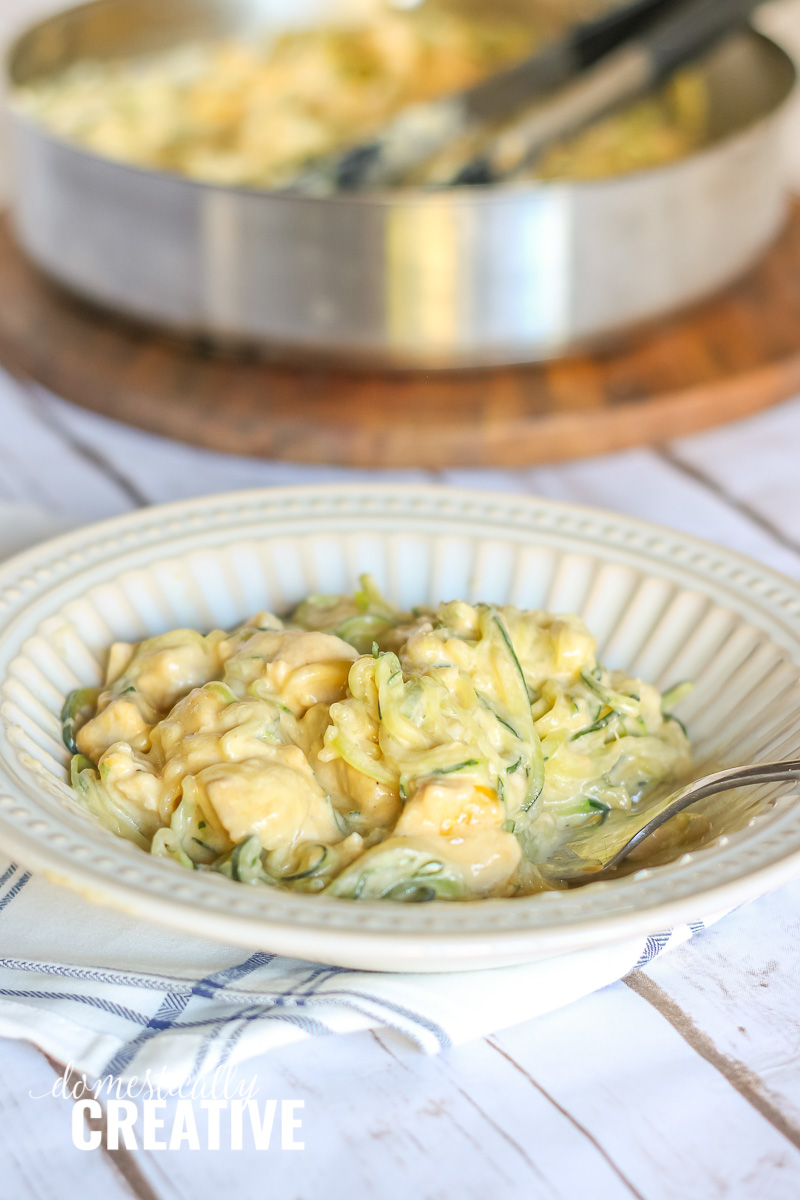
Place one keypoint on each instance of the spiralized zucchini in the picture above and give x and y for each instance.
(369, 753)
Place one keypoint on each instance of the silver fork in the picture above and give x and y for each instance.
(577, 868)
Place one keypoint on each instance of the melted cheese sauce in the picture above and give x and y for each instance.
(370, 753)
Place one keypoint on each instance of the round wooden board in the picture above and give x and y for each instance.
(724, 359)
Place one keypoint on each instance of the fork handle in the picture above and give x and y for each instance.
(710, 785)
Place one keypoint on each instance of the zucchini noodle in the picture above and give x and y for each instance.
(368, 753)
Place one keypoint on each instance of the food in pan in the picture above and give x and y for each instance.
(256, 114)
(657, 130)
(368, 753)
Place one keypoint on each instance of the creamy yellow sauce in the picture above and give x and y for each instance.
(367, 752)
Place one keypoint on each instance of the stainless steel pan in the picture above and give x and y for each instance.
(406, 278)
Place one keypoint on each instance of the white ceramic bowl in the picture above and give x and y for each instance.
(662, 604)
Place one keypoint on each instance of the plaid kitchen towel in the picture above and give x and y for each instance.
(118, 996)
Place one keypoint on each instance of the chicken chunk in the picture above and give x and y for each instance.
(277, 799)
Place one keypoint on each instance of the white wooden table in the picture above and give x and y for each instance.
(682, 1082)
(679, 1083)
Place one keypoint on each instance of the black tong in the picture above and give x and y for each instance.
(595, 67)
(674, 39)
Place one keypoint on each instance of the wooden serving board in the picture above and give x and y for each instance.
(724, 359)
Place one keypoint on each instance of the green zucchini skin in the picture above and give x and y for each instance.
(80, 703)
(312, 870)
(534, 767)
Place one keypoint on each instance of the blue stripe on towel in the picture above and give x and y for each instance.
(220, 979)
(260, 1009)
(390, 1022)
(153, 983)
(316, 979)
(170, 1009)
(14, 891)
(308, 1025)
(218, 1025)
(109, 1006)
(215, 1033)
(174, 1004)
(4, 878)
(654, 945)
(397, 1010)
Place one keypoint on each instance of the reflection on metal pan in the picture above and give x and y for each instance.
(461, 277)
